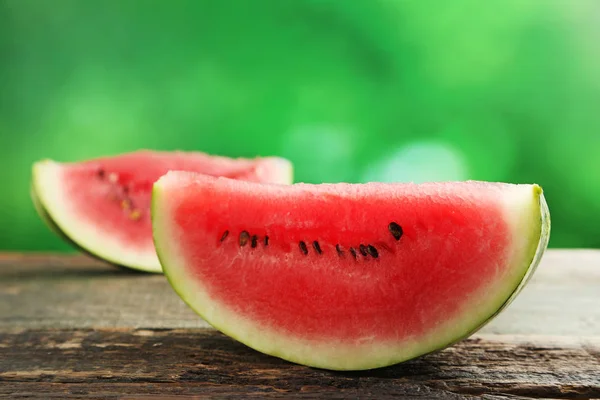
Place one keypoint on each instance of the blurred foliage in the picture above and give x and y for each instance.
(349, 90)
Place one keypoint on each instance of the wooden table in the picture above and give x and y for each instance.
(72, 327)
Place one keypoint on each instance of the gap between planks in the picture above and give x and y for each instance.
(117, 362)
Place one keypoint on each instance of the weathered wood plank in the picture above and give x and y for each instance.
(115, 360)
(50, 291)
(111, 363)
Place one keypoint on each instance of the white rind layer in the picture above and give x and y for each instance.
(525, 211)
(48, 188)
(48, 196)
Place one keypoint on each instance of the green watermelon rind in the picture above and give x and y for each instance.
(39, 208)
(537, 244)
(71, 232)
(536, 250)
(70, 235)
(47, 219)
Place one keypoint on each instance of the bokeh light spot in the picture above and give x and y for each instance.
(419, 161)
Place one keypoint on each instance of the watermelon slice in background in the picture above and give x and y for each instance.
(102, 206)
(347, 276)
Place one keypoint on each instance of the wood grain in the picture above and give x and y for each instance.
(55, 291)
(111, 363)
(74, 327)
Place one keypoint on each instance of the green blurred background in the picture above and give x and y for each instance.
(349, 90)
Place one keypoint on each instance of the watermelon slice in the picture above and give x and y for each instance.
(102, 206)
(347, 276)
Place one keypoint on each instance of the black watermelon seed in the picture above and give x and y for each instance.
(254, 241)
(303, 248)
(372, 251)
(395, 230)
(266, 240)
(317, 247)
(101, 173)
(339, 250)
(224, 235)
(363, 250)
(244, 236)
(353, 252)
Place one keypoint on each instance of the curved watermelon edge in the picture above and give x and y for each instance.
(40, 204)
(39, 208)
(538, 243)
(283, 175)
(536, 250)
(47, 219)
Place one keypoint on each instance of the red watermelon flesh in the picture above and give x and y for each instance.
(347, 276)
(103, 205)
